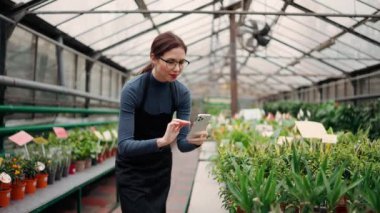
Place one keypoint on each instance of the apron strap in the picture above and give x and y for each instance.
(174, 94)
(173, 91)
(145, 90)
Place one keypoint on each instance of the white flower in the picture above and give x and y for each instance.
(40, 166)
(300, 114)
(308, 113)
(5, 178)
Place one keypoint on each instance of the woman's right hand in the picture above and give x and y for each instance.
(172, 131)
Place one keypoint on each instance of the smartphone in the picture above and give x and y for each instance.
(200, 123)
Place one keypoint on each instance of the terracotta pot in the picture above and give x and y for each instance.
(18, 190)
(5, 185)
(80, 165)
(239, 210)
(100, 158)
(31, 185)
(5, 197)
(72, 169)
(87, 163)
(114, 151)
(107, 153)
(42, 180)
(342, 206)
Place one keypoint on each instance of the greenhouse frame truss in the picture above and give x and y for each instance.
(262, 50)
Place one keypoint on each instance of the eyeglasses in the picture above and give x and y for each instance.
(171, 64)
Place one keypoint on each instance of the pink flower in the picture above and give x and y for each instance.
(5, 178)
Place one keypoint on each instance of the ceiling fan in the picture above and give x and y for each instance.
(253, 34)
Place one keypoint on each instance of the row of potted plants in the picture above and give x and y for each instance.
(259, 175)
(341, 117)
(48, 160)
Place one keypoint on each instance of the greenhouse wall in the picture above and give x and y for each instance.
(361, 88)
(32, 57)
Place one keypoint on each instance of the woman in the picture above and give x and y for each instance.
(147, 127)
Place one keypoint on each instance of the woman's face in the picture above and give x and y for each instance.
(169, 66)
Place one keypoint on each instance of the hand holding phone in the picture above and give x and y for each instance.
(200, 124)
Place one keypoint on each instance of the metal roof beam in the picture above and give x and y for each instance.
(219, 12)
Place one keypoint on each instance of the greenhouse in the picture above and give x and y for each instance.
(274, 106)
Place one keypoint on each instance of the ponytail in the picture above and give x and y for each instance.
(147, 68)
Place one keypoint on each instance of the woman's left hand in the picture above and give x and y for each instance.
(198, 138)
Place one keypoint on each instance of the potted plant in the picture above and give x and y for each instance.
(5, 180)
(51, 167)
(30, 170)
(17, 175)
(42, 175)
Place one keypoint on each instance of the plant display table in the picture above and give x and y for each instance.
(43, 198)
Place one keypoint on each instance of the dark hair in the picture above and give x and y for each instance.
(161, 44)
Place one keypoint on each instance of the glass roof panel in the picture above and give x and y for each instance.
(295, 80)
(262, 65)
(369, 32)
(174, 5)
(313, 66)
(60, 5)
(123, 35)
(201, 48)
(86, 22)
(111, 29)
(289, 41)
(338, 57)
(280, 49)
(340, 64)
(348, 51)
(373, 3)
(302, 29)
(373, 24)
(131, 46)
(315, 23)
(362, 45)
(370, 62)
(337, 6)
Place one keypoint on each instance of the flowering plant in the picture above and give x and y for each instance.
(32, 167)
(5, 178)
(14, 166)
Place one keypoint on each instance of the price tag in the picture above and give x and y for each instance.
(114, 133)
(60, 132)
(98, 135)
(40, 140)
(20, 138)
(107, 135)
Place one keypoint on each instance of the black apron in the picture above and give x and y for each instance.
(144, 180)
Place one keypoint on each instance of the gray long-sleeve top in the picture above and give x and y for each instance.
(158, 100)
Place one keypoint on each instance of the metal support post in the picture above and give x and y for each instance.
(233, 74)
(3, 51)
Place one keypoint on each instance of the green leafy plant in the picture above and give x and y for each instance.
(336, 187)
(370, 190)
(30, 168)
